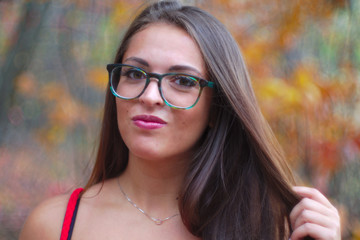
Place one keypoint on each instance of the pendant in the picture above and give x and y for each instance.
(158, 221)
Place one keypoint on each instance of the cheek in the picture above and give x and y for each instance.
(122, 108)
(193, 126)
(121, 113)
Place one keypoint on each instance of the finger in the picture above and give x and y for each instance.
(314, 231)
(308, 216)
(312, 205)
(314, 194)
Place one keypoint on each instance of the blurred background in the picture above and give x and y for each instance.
(303, 57)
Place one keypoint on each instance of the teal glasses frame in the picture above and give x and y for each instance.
(202, 83)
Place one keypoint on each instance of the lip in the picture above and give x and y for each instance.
(148, 122)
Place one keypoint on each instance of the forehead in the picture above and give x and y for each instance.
(163, 44)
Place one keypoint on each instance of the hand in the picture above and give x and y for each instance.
(314, 216)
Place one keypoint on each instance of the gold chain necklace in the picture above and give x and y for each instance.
(157, 221)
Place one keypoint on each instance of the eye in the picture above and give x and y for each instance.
(133, 73)
(184, 81)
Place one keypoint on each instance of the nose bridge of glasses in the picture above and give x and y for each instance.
(156, 76)
(153, 76)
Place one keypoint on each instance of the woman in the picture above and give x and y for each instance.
(184, 150)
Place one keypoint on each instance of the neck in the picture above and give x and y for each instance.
(154, 185)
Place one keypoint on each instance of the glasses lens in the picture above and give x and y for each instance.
(180, 90)
(128, 82)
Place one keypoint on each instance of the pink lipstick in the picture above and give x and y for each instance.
(148, 122)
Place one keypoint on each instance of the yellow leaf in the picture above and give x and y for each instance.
(277, 96)
(98, 78)
(304, 80)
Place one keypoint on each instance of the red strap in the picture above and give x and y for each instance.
(69, 213)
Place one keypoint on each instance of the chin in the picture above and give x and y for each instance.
(149, 153)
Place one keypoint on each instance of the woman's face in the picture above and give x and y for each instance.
(151, 129)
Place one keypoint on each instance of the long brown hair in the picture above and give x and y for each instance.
(238, 185)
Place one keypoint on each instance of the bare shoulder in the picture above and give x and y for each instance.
(100, 194)
(45, 221)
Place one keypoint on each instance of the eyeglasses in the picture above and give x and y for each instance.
(178, 90)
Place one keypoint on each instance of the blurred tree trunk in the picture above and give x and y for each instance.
(19, 56)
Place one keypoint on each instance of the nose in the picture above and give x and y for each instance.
(151, 96)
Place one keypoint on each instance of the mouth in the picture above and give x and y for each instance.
(148, 122)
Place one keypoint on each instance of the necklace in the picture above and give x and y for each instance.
(157, 221)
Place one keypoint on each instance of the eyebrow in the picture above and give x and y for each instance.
(184, 68)
(138, 60)
(172, 68)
